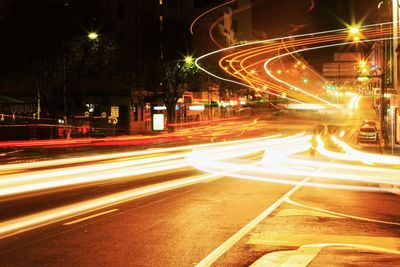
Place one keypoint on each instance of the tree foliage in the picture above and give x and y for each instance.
(50, 51)
(176, 77)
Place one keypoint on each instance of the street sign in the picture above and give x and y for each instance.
(115, 111)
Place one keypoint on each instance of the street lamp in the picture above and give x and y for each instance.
(354, 33)
(354, 30)
(93, 35)
(188, 59)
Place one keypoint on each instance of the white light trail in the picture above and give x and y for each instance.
(18, 225)
(280, 167)
(128, 168)
(366, 157)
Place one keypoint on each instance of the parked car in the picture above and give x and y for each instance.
(369, 123)
(368, 133)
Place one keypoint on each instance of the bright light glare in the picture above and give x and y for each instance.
(354, 102)
(354, 30)
(278, 166)
(367, 157)
(188, 60)
(93, 35)
(305, 106)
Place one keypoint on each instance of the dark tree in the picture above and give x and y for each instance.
(176, 78)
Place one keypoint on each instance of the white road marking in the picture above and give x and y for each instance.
(304, 255)
(304, 212)
(288, 200)
(359, 246)
(294, 239)
(292, 258)
(219, 251)
(90, 217)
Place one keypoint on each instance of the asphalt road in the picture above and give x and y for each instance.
(220, 221)
(182, 227)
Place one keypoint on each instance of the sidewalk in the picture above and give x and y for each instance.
(174, 133)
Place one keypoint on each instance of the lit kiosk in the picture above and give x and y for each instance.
(158, 118)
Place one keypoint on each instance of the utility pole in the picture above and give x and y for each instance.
(383, 110)
(395, 7)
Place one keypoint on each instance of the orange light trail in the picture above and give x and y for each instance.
(207, 12)
(239, 68)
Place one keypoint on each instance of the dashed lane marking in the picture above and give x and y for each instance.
(90, 217)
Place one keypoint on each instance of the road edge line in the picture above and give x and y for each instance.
(230, 242)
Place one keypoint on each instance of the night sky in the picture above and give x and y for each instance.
(277, 17)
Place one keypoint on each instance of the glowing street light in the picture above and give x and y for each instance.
(188, 60)
(356, 39)
(355, 33)
(354, 30)
(93, 35)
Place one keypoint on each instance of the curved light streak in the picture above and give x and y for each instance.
(306, 50)
(207, 12)
(343, 31)
(367, 157)
(280, 167)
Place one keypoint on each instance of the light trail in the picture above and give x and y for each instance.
(25, 223)
(278, 166)
(366, 157)
(279, 149)
(152, 163)
(353, 103)
(246, 74)
(207, 12)
(280, 162)
(234, 12)
(269, 60)
(111, 156)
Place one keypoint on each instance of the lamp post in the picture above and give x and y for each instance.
(92, 36)
(395, 11)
